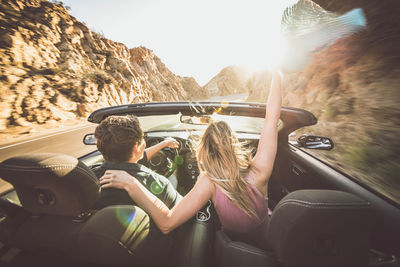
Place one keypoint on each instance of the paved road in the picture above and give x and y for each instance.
(66, 142)
(229, 98)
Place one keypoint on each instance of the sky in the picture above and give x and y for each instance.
(192, 38)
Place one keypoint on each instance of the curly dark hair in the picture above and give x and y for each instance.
(116, 135)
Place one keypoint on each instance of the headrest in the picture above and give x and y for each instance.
(321, 228)
(51, 183)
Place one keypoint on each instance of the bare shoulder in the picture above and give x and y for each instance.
(205, 181)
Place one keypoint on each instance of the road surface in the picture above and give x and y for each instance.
(229, 98)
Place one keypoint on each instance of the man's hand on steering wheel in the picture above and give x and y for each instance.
(171, 143)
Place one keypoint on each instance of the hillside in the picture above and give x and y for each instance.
(53, 68)
(230, 80)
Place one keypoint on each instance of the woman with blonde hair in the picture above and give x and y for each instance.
(235, 182)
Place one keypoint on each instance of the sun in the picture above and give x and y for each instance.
(265, 43)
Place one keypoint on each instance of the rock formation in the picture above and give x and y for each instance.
(52, 67)
(230, 80)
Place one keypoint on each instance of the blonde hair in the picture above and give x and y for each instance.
(226, 161)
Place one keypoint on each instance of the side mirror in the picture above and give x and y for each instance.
(89, 139)
(315, 142)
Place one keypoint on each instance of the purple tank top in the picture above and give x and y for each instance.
(234, 219)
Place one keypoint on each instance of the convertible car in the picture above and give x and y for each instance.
(319, 216)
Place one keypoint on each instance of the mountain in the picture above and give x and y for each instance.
(53, 68)
(230, 80)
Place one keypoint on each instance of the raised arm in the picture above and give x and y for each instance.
(165, 219)
(168, 142)
(264, 159)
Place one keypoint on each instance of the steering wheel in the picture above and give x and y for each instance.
(166, 161)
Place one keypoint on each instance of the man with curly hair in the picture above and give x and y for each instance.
(121, 142)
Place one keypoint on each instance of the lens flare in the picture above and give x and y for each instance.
(307, 28)
(136, 224)
(286, 34)
(156, 188)
(125, 216)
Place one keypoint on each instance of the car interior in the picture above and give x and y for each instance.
(319, 216)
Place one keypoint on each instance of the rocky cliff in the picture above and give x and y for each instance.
(52, 68)
(230, 80)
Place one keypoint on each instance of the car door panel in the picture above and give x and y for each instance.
(295, 169)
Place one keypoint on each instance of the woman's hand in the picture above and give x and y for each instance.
(117, 179)
(171, 142)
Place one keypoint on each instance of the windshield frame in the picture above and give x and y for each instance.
(292, 118)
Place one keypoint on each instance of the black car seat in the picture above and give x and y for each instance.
(56, 193)
(308, 228)
(194, 239)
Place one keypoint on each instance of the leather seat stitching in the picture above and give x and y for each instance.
(238, 246)
(325, 206)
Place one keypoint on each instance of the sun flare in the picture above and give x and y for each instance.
(265, 43)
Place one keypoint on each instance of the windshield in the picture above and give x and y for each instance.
(173, 123)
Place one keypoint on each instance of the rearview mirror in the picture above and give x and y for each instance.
(315, 142)
(198, 120)
(89, 139)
